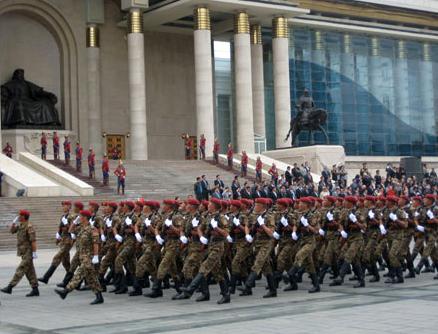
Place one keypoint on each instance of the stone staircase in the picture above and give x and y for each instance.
(152, 179)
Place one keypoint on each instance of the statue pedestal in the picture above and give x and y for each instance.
(28, 140)
(317, 156)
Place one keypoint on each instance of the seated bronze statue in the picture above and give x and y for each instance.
(24, 104)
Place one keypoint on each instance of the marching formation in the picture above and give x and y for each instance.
(191, 244)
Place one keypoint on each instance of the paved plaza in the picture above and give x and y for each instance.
(406, 308)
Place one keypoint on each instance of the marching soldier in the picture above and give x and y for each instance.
(27, 249)
(409, 233)
(88, 249)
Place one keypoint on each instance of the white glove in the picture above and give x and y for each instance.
(249, 238)
(371, 214)
(15, 220)
(276, 235)
(236, 221)
(304, 221)
(406, 214)
(103, 237)
(159, 239)
(108, 222)
(416, 214)
(226, 217)
(147, 222)
(229, 239)
(321, 232)
(34, 255)
(168, 222)
(58, 236)
(195, 222)
(261, 220)
(203, 240)
(420, 228)
(382, 229)
(118, 238)
(213, 223)
(329, 216)
(430, 214)
(95, 259)
(76, 221)
(128, 221)
(138, 237)
(294, 236)
(284, 221)
(352, 217)
(183, 239)
(73, 236)
(393, 216)
(344, 234)
(64, 221)
(91, 222)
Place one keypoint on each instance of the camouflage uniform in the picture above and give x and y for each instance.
(109, 250)
(65, 243)
(195, 251)
(287, 247)
(126, 252)
(369, 258)
(430, 249)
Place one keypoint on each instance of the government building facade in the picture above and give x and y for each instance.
(137, 74)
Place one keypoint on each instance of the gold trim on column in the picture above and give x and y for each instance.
(256, 34)
(375, 46)
(241, 23)
(319, 40)
(280, 27)
(202, 18)
(347, 43)
(135, 21)
(426, 52)
(92, 37)
(401, 49)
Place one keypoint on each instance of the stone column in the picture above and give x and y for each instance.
(401, 84)
(258, 84)
(427, 92)
(280, 53)
(374, 70)
(243, 82)
(94, 97)
(137, 86)
(204, 78)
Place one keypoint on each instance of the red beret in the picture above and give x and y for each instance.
(340, 199)
(225, 203)
(122, 203)
(247, 202)
(417, 198)
(381, 198)
(140, 202)
(319, 200)
(392, 199)
(430, 196)
(112, 205)
(351, 199)
(216, 201)
(85, 213)
(204, 203)
(235, 203)
(307, 200)
(404, 197)
(331, 199)
(130, 204)
(66, 203)
(152, 204)
(192, 201)
(94, 204)
(370, 198)
(312, 199)
(265, 201)
(171, 202)
(24, 213)
(78, 205)
(284, 201)
(361, 199)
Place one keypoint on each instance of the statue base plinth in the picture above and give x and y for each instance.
(28, 140)
(318, 156)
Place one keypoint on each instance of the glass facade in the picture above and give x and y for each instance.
(381, 94)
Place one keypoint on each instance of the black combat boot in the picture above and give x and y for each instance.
(205, 291)
(137, 285)
(156, 290)
(177, 288)
(182, 294)
(233, 282)
(48, 274)
(225, 299)
(420, 265)
(427, 267)
(191, 288)
(324, 269)
(67, 278)
(145, 281)
(360, 276)
(342, 272)
(375, 273)
(102, 283)
(62, 293)
(249, 284)
(315, 283)
(123, 286)
(398, 276)
(391, 275)
(292, 273)
(34, 292)
(299, 275)
(7, 289)
(98, 300)
(272, 287)
(116, 282)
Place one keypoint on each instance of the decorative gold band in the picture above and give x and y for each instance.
(426, 52)
(241, 23)
(256, 34)
(92, 38)
(347, 43)
(280, 27)
(401, 50)
(319, 40)
(135, 21)
(202, 18)
(375, 46)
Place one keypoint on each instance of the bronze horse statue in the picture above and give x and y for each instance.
(308, 120)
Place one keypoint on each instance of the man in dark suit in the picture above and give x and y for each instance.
(219, 183)
(288, 175)
(205, 188)
(246, 191)
(197, 189)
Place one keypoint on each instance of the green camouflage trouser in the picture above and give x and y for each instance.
(63, 254)
(287, 250)
(85, 271)
(74, 262)
(353, 249)
(193, 260)
(430, 249)
(395, 243)
(126, 255)
(147, 263)
(369, 254)
(108, 257)
(304, 257)
(262, 252)
(25, 268)
(331, 252)
(168, 260)
(213, 263)
(239, 264)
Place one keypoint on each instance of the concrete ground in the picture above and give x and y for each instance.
(404, 308)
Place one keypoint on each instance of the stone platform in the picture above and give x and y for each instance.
(405, 308)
